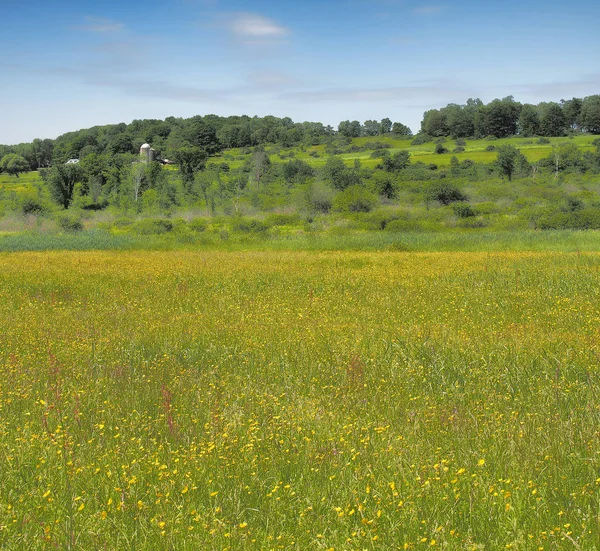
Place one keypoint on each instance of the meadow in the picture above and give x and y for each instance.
(478, 151)
(299, 400)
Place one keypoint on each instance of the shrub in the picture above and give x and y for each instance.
(490, 148)
(248, 225)
(29, 205)
(463, 210)
(445, 193)
(122, 223)
(460, 142)
(314, 154)
(458, 149)
(355, 199)
(198, 225)
(69, 222)
(543, 141)
(421, 139)
(283, 220)
(153, 226)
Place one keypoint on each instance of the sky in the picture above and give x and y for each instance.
(72, 64)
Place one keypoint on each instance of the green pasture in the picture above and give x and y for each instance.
(475, 150)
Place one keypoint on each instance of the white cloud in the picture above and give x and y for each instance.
(250, 27)
(101, 25)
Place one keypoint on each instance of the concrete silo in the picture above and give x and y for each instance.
(147, 153)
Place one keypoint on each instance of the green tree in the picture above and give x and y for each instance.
(397, 161)
(350, 129)
(190, 160)
(529, 121)
(14, 164)
(507, 160)
(552, 119)
(385, 126)
(572, 111)
(434, 123)
(339, 175)
(61, 180)
(590, 114)
(370, 128)
(500, 117)
(400, 129)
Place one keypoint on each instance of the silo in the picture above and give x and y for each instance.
(145, 151)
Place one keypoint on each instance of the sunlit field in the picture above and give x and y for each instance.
(299, 400)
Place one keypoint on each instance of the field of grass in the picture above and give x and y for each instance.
(295, 400)
(475, 150)
(19, 183)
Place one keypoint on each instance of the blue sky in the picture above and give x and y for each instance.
(66, 65)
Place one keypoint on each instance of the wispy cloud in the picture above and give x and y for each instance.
(254, 28)
(587, 84)
(100, 25)
(428, 10)
(434, 89)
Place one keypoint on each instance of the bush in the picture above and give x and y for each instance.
(314, 154)
(283, 220)
(421, 139)
(460, 142)
(152, 226)
(439, 149)
(445, 193)
(490, 148)
(586, 219)
(543, 141)
(69, 222)
(355, 199)
(122, 223)
(248, 225)
(29, 205)
(458, 149)
(463, 210)
(198, 225)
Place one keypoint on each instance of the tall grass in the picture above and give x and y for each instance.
(458, 240)
(299, 400)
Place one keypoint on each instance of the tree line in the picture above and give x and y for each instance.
(506, 117)
(211, 133)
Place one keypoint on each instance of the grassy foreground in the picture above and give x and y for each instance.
(295, 400)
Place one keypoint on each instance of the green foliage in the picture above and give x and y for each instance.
(384, 184)
(69, 222)
(190, 161)
(421, 139)
(61, 180)
(463, 210)
(507, 160)
(153, 226)
(355, 198)
(315, 197)
(590, 114)
(397, 161)
(33, 206)
(578, 219)
(339, 175)
(445, 193)
(13, 164)
(248, 225)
